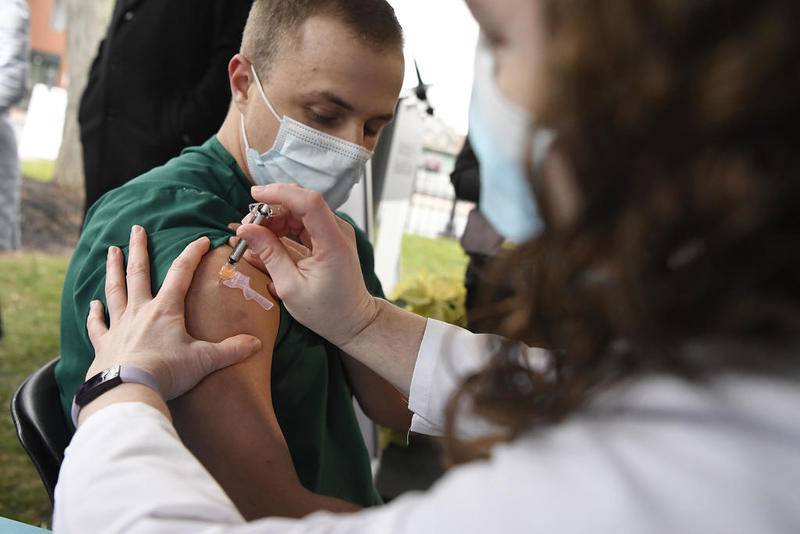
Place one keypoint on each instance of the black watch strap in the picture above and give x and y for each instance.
(107, 380)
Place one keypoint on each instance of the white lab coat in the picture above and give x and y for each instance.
(658, 456)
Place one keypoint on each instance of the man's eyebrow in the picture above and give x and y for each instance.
(344, 104)
(332, 98)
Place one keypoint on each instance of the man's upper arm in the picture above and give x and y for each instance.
(228, 421)
(215, 312)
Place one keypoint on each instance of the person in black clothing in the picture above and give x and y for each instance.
(159, 83)
(465, 177)
(480, 240)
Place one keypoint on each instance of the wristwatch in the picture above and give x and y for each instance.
(107, 380)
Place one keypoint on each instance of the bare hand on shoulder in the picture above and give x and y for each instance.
(150, 333)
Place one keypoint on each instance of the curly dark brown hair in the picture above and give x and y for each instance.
(678, 123)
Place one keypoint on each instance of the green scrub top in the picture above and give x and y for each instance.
(198, 194)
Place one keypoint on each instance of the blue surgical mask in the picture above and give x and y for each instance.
(505, 139)
(307, 157)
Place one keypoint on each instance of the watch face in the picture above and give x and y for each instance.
(97, 385)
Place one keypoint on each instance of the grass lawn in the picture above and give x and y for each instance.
(432, 279)
(30, 295)
(432, 256)
(41, 170)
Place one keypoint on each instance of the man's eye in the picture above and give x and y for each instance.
(325, 120)
(373, 128)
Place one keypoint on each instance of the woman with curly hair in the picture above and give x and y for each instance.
(644, 154)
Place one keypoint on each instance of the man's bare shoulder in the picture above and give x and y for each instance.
(215, 311)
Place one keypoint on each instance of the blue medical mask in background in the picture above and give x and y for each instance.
(504, 138)
(307, 157)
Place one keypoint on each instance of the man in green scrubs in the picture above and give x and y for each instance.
(335, 66)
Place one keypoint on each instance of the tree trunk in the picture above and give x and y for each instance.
(87, 21)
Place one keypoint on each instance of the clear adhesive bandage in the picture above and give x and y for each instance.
(241, 281)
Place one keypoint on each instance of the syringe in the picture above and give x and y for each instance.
(258, 213)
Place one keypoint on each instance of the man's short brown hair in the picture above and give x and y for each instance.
(274, 23)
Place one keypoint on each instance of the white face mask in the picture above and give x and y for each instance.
(307, 157)
(500, 133)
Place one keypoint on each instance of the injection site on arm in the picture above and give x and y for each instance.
(232, 278)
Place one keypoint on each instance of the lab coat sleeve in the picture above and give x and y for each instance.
(126, 471)
(130, 452)
(448, 355)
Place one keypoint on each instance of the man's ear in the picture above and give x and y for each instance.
(240, 79)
